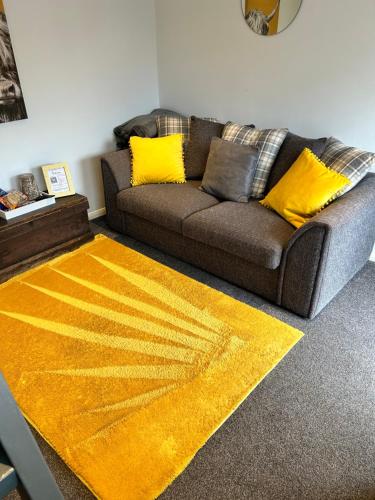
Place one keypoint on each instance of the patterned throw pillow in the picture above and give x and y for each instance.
(351, 162)
(169, 125)
(268, 143)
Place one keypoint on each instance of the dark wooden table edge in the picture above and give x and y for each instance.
(72, 200)
(44, 256)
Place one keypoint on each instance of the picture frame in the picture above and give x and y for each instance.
(12, 103)
(58, 179)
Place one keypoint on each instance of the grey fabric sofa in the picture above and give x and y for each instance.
(245, 243)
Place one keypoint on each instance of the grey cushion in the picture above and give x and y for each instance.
(267, 141)
(290, 150)
(165, 204)
(197, 149)
(230, 170)
(247, 230)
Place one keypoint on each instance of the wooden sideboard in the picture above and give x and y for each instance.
(42, 234)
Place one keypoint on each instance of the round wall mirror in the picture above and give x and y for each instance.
(269, 17)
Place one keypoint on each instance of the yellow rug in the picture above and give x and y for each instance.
(127, 367)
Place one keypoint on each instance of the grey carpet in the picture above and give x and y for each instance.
(308, 430)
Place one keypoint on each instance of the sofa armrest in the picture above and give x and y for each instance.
(324, 254)
(116, 171)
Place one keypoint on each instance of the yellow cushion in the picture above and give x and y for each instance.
(156, 161)
(305, 189)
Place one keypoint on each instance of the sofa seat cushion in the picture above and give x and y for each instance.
(165, 204)
(246, 230)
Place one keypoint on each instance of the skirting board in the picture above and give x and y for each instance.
(94, 214)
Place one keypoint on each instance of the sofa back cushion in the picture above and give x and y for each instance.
(290, 150)
(196, 153)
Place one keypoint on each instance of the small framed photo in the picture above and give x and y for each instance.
(58, 179)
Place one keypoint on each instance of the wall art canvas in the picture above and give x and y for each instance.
(12, 105)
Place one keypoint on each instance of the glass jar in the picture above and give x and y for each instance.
(28, 186)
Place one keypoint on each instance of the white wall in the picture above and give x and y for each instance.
(317, 77)
(85, 66)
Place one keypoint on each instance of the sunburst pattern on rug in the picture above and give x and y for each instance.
(111, 354)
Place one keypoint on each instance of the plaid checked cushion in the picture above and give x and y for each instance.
(268, 143)
(351, 162)
(168, 125)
